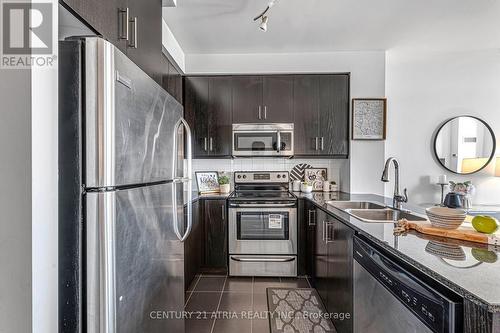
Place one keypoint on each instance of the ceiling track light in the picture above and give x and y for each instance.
(263, 17)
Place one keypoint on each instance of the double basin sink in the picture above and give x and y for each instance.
(374, 212)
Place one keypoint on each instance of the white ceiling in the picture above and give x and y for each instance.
(226, 26)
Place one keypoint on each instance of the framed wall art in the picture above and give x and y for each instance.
(369, 117)
(207, 181)
(316, 177)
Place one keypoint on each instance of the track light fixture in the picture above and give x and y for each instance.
(263, 17)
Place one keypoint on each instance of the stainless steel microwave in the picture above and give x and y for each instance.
(272, 140)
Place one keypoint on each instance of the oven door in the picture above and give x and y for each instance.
(262, 143)
(262, 230)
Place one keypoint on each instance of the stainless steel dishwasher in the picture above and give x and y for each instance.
(390, 298)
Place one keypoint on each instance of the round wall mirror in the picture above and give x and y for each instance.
(464, 145)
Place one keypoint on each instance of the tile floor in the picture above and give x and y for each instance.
(221, 304)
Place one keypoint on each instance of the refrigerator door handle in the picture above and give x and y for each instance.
(184, 179)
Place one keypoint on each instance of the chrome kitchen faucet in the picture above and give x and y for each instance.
(398, 199)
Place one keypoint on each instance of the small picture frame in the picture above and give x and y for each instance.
(207, 181)
(316, 177)
(369, 117)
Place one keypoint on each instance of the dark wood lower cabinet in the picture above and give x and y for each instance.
(193, 247)
(330, 252)
(215, 238)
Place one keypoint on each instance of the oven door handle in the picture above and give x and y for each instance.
(262, 205)
(257, 259)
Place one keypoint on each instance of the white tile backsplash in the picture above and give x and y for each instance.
(266, 164)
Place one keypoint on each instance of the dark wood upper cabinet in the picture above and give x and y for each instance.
(174, 82)
(215, 235)
(306, 114)
(172, 79)
(321, 115)
(208, 111)
(146, 18)
(220, 117)
(196, 113)
(334, 115)
(102, 16)
(277, 101)
(247, 99)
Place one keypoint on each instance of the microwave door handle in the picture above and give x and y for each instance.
(279, 142)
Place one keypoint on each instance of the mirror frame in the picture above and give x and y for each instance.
(478, 119)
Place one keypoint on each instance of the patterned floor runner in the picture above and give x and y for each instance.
(294, 310)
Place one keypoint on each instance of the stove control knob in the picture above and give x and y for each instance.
(244, 176)
(284, 176)
(279, 176)
(239, 176)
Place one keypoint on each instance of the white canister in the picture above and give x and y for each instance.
(326, 186)
(306, 188)
(296, 185)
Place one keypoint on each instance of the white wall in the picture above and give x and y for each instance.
(423, 90)
(15, 201)
(172, 47)
(367, 80)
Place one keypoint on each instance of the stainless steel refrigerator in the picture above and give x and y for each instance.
(121, 178)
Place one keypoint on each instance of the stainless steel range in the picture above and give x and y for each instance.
(262, 225)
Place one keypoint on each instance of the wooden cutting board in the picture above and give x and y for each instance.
(465, 232)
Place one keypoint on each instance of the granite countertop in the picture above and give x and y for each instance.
(196, 196)
(478, 281)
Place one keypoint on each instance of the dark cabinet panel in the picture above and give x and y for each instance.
(193, 247)
(208, 111)
(321, 278)
(306, 114)
(277, 99)
(321, 115)
(145, 17)
(171, 79)
(329, 249)
(174, 82)
(247, 99)
(334, 114)
(103, 16)
(215, 235)
(340, 273)
(220, 118)
(196, 113)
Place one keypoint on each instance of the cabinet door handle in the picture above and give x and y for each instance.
(133, 39)
(328, 227)
(123, 21)
(311, 221)
(211, 144)
(316, 143)
(322, 143)
(205, 144)
(260, 112)
(265, 111)
(323, 229)
(223, 209)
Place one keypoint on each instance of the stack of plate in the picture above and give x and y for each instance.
(446, 218)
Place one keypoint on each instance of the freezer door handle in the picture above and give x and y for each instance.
(184, 179)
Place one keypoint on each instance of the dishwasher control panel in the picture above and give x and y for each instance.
(433, 308)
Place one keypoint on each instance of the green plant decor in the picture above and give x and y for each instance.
(223, 180)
